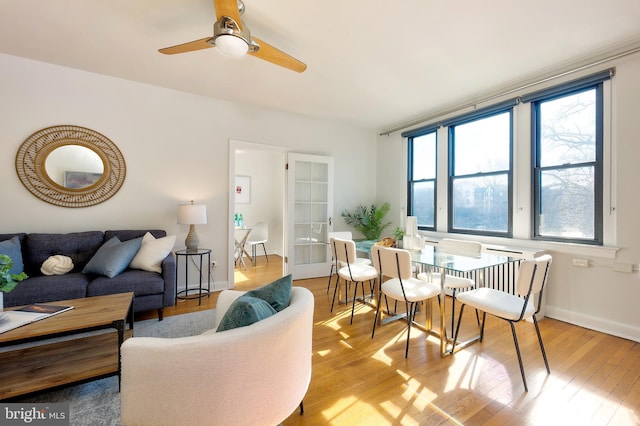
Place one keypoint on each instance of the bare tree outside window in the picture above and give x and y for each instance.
(566, 172)
(480, 175)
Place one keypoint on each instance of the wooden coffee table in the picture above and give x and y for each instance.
(78, 359)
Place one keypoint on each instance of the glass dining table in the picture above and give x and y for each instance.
(489, 270)
(485, 266)
(241, 236)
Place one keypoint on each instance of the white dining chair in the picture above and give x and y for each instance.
(530, 282)
(259, 236)
(343, 235)
(402, 286)
(352, 272)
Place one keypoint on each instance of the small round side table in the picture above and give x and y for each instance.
(201, 254)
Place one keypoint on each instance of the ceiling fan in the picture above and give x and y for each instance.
(232, 37)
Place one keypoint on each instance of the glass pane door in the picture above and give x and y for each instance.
(310, 209)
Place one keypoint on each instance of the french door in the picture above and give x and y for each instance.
(309, 215)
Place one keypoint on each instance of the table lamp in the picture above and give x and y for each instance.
(192, 214)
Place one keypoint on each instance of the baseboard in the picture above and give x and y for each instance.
(219, 285)
(594, 323)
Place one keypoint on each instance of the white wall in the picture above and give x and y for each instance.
(175, 146)
(597, 297)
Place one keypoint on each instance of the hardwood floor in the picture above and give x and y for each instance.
(357, 380)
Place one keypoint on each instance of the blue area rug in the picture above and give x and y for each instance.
(98, 402)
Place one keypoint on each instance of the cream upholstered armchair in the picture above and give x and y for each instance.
(252, 375)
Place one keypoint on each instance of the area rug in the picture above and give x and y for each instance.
(98, 402)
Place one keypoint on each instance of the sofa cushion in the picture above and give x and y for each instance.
(113, 257)
(12, 248)
(277, 294)
(142, 283)
(52, 288)
(20, 235)
(244, 311)
(79, 246)
(152, 252)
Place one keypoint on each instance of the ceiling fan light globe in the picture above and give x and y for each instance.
(232, 45)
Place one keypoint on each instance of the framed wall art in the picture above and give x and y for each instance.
(243, 189)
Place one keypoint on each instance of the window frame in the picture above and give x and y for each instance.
(598, 164)
(502, 108)
(410, 181)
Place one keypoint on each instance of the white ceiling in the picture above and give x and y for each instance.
(371, 63)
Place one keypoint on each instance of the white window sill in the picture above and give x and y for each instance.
(529, 248)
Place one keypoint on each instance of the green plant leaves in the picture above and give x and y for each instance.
(8, 281)
(368, 220)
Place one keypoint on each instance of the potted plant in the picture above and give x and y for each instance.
(8, 281)
(398, 235)
(368, 220)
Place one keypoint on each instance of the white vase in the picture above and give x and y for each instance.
(1, 301)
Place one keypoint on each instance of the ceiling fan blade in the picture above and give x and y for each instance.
(277, 56)
(187, 47)
(228, 8)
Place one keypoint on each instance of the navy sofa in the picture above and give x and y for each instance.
(152, 290)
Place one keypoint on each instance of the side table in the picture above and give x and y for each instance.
(200, 253)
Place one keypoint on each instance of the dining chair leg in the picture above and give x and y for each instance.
(515, 340)
(544, 353)
(353, 303)
(410, 313)
(375, 321)
(329, 281)
(335, 290)
(455, 335)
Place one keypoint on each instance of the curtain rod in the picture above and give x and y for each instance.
(508, 92)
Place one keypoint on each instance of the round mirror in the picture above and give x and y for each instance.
(74, 166)
(70, 166)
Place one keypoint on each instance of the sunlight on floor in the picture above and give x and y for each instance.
(344, 343)
(239, 277)
(381, 355)
(423, 396)
(339, 407)
(335, 321)
(397, 413)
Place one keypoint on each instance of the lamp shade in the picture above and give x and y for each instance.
(232, 45)
(192, 214)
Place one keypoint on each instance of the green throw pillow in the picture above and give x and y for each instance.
(245, 310)
(277, 294)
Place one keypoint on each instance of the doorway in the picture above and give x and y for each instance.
(261, 168)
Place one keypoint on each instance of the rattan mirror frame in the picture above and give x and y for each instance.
(32, 154)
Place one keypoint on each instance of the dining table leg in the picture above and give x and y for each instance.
(443, 326)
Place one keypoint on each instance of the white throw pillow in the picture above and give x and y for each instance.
(152, 252)
(57, 265)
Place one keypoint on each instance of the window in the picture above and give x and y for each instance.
(422, 179)
(562, 186)
(480, 173)
(567, 170)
